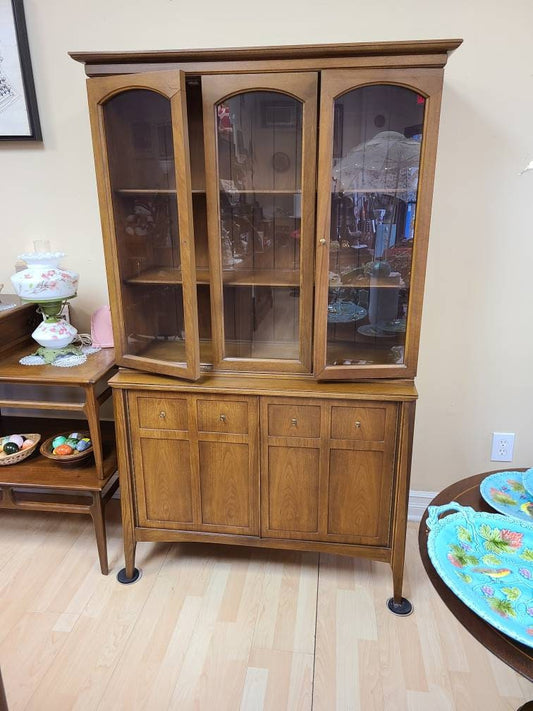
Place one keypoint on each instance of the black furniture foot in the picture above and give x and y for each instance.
(402, 608)
(121, 576)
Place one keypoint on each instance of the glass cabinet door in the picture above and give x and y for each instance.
(376, 137)
(142, 158)
(260, 144)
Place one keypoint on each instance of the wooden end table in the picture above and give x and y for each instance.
(41, 484)
(516, 655)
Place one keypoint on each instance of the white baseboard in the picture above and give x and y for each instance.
(418, 503)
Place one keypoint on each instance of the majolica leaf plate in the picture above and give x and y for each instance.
(527, 478)
(487, 561)
(506, 492)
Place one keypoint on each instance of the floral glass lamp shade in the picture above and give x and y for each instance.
(49, 286)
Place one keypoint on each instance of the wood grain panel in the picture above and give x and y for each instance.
(293, 476)
(225, 485)
(359, 499)
(294, 420)
(222, 416)
(359, 423)
(167, 413)
(163, 481)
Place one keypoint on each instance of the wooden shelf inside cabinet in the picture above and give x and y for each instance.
(234, 277)
(155, 191)
(365, 284)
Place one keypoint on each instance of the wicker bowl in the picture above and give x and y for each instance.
(74, 458)
(7, 459)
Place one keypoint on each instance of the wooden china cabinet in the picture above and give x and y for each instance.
(265, 214)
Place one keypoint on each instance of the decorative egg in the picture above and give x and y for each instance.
(83, 444)
(75, 435)
(17, 439)
(27, 444)
(63, 450)
(71, 442)
(58, 441)
(11, 448)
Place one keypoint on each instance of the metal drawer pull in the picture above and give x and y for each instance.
(357, 424)
(294, 422)
(223, 418)
(322, 241)
(162, 414)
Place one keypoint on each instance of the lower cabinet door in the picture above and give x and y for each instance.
(163, 482)
(335, 483)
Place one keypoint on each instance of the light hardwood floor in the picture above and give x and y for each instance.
(214, 628)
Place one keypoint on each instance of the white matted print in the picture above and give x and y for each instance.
(19, 118)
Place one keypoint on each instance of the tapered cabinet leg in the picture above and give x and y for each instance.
(129, 574)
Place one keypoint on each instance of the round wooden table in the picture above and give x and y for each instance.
(513, 653)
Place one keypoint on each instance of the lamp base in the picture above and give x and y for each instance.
(50, 354)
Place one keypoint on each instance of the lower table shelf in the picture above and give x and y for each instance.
(40, 484)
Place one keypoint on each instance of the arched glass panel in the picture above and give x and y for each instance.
(259, 153)
(138, 128)
(377, 137)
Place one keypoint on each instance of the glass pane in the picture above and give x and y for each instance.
(259, 138)
(141, 165)
(376, 156)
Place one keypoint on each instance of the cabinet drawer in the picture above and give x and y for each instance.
(294, 420)
(230, 416)
(359, 423)
(162, 413)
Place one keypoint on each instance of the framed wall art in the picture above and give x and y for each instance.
(19, 118)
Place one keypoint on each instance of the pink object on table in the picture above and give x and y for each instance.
(101, 329)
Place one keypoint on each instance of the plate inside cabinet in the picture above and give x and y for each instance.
(506, 492)
(487, 561)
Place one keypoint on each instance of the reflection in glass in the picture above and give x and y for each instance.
(376, 157)
(141, 165)
(259, 137)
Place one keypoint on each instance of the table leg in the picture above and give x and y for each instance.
(91, 409)
(97, 514)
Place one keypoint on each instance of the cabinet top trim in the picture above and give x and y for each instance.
(393, 390)
(307, 51)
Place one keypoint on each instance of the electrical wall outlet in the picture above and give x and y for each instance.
(502, 447)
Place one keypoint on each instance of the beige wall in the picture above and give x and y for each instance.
(475, 373)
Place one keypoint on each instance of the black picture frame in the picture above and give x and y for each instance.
(19, 115)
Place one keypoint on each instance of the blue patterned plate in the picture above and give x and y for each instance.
(345, 311)
(527, 478)
(505, 492)
(487, 561)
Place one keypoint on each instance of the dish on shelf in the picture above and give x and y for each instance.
(16, 457)
(345, 311)
(486, 560)
(373, 331)
(506, 492)
(66, 459)
(395, 325)
(527, 478)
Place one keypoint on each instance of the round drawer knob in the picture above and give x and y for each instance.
(223, 418)
(294, 421)
(162, 414)
(357, 424)
(322, 241)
